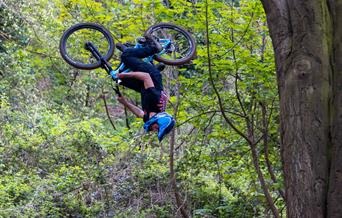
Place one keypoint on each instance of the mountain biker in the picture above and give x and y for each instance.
(146, 79)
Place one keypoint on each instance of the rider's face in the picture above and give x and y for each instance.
(154, 127)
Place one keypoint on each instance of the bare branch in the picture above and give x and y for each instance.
(212, 81)
(107, 112)
(180, 204)
(266, 144)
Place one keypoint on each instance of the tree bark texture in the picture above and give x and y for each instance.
(335, 177)
(306, 37)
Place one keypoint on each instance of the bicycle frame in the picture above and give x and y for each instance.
(166, 43)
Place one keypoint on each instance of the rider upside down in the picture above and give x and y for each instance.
(146, 79)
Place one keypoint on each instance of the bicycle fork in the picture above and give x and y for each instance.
(104, 64)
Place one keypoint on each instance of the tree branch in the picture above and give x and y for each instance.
(208, 112)
(266, 153)
(107, 112)
(180, 204)
(230, 123)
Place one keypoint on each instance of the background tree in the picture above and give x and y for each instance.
(306, 38)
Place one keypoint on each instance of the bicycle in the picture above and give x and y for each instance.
(77, 41)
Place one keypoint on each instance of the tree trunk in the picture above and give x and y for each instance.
(309, 82)
(180, 204)
(335, 177)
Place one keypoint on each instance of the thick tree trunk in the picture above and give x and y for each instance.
(335, 179)
(309, 81)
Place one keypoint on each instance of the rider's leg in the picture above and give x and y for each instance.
(139, 52)
(131, 57)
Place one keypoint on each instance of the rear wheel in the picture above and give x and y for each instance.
(72, 45)
(182, 47)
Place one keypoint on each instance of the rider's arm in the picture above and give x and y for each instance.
(134, 109)
(145, 77)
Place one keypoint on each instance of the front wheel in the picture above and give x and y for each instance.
(179, 46)
(73, 41)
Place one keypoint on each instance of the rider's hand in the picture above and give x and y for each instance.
(120, 75)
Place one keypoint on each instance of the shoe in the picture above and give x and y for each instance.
(160, 66)
(153, 43)
(128, 44)
(141, 40)
(120, 46)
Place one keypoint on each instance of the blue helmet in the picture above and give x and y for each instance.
(165, 122)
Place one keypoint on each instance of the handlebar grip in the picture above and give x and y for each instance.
(114, 77)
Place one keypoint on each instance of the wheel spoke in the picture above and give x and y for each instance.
(75, 46)
(180, 43)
